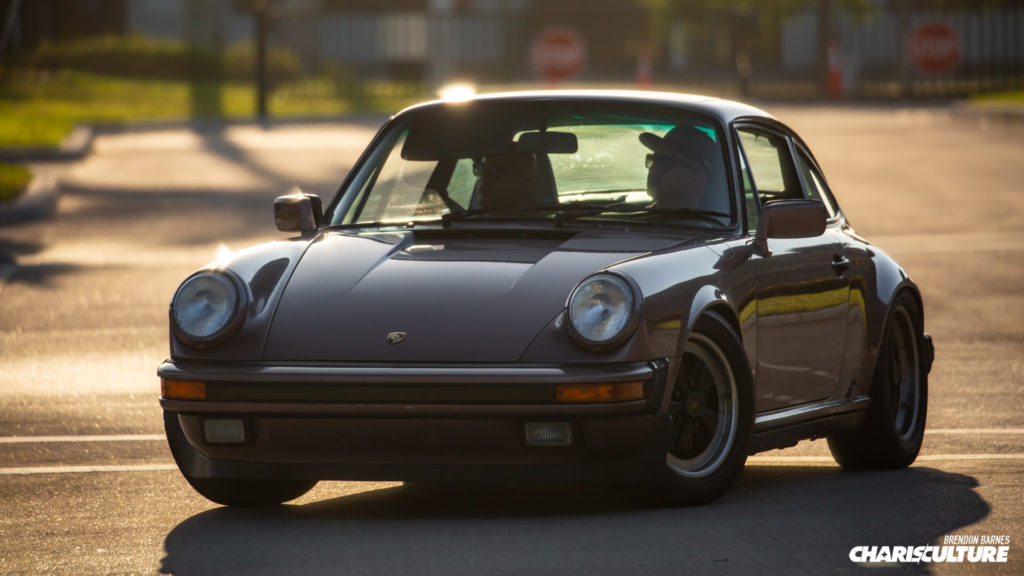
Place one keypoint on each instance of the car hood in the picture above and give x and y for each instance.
(453, 294)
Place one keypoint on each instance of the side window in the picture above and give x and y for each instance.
(750, 196)
(815, 183)
(771, 166)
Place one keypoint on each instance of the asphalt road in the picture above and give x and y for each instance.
(87, 485)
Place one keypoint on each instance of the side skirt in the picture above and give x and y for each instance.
(784, 428)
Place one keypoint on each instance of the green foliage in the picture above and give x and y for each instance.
(40, 108)
(126, 56)
(13, 180)
(139, 57)
(1014, 98)
(240, 63)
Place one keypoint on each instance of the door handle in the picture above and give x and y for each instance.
(840, 264)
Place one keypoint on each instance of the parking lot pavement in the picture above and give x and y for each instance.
(89, 486)
(240, 158)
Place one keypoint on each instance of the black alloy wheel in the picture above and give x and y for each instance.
(893, 428)
(712, 414)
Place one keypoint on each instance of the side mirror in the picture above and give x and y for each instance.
(298, 212)
(790, 219)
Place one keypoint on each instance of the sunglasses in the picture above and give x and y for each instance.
(665, 162)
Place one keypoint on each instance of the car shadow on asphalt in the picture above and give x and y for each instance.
(777, 519)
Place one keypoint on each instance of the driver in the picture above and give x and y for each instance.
(505, 180)
(679, 167)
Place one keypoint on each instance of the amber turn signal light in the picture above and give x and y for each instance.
(599, 393)
(183, 389)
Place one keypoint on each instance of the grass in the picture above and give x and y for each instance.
(1016, 98)
(40, 109)
(13, 180)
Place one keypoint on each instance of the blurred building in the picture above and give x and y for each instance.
(888, 47)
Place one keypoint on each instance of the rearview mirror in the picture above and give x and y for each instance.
(298, 212)
(790, 219)
(548, 142)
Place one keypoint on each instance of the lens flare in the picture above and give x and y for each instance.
(457, 91)
(223, 254)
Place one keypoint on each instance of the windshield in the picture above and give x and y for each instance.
(541, 161)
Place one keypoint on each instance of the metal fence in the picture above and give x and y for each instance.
(916, 51)
(895, 48)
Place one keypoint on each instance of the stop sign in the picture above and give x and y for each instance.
(557, 54)
(934, 48)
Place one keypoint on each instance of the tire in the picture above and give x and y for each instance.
(893, 428)
(233, 491)
(712, 412)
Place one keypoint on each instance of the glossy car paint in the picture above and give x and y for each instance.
(484, 305)
(447, 289)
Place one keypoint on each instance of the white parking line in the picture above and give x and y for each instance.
(976, 431)
(85, 438)
(86, 469)
(922, 458)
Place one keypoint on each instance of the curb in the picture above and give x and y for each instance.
(75, 146)
(37, 202)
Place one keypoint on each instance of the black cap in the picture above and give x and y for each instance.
(688, 142)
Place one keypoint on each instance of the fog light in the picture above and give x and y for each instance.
(548, 434)
(224, 431)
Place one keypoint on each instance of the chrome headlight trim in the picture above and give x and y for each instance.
(603, 311)
(208, 308)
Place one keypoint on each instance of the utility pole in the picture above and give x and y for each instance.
(261, 60)
(903, 25)
(824, 39)
(12, 17)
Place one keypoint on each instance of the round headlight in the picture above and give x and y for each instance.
(602, 311)
(207, 308)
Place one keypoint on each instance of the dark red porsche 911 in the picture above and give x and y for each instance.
(633, 288)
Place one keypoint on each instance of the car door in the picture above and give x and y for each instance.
(802, 292)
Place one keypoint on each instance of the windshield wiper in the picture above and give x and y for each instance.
(709, 216)
(566, 212)
(447, 219)
(556, 207)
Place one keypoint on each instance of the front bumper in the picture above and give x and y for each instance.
(417, 423)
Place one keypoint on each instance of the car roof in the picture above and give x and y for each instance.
(725, 110)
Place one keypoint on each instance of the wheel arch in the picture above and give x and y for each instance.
(906, 287)
(709, 299)
(718, 323)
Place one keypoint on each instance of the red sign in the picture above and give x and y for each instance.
(934, 48)
(558, 54)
